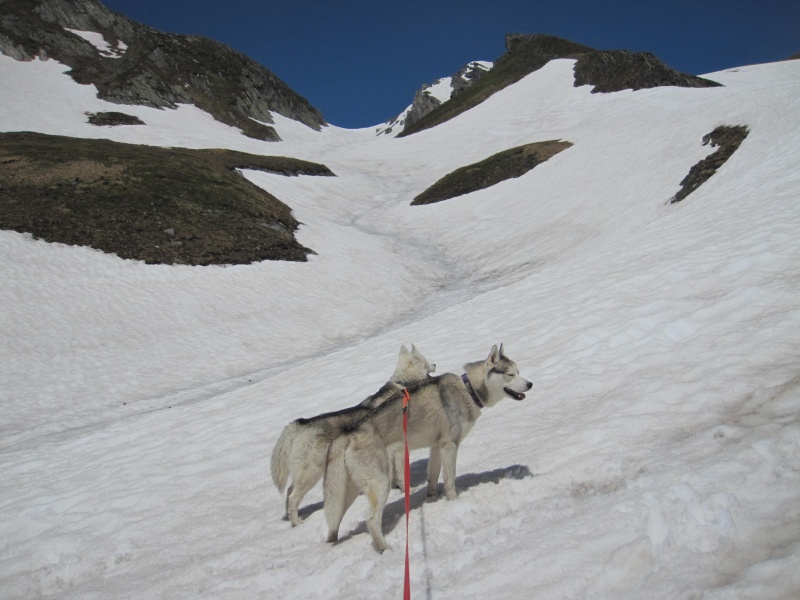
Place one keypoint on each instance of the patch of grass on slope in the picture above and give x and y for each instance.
(158, 205)
(486, 173)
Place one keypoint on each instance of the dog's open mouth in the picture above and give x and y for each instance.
(513, 394)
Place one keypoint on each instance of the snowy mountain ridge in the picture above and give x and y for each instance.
(151, 68)
(431, 95)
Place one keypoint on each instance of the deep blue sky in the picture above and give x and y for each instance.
(359, 62)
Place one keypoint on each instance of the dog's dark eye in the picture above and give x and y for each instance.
(509, 376)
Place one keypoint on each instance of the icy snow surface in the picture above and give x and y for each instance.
(658, 455)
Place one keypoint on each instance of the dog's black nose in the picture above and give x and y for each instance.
(530, 385)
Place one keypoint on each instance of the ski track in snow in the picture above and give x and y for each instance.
(658, 455)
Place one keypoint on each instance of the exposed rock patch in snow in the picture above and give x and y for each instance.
(504, 165)
(728, 138)
(432, 95)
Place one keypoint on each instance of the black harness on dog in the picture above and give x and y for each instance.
(471, 391)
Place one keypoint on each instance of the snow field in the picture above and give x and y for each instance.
(656, 456)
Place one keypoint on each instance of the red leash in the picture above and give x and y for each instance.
(407, 486)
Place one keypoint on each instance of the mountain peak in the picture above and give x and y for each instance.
(606, 71)
(432, 95)
(548, 46)
(131, 63)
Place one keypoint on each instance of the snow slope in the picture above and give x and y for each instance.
(658, 455)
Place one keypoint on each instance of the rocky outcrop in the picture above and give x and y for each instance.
(617, 70)
(540, 48)
(425, 101)
(135, 64)
(113, 119)
(467, 75)
(607, 71)
(727, 138)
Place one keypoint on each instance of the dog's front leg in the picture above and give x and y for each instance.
(449, 451)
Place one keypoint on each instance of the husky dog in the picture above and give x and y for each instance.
(301, 448)
(441, 412)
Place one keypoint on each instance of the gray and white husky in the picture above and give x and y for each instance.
(301, 448)
(441, 412)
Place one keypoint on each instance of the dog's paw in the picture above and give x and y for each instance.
(381, 548)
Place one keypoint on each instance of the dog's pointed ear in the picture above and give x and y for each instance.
(403, 350)
(414, 349)
(494, 356)
(502, 354)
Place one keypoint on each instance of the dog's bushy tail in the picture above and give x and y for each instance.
(279, 464)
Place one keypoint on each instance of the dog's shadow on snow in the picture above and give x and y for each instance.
(396, 510)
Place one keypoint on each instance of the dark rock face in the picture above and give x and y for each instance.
(617, 70)
(542, 46)
(728, 138)
(466, 76)
(606, 70)
(113, 119)
(145, 66)
(425, 103)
